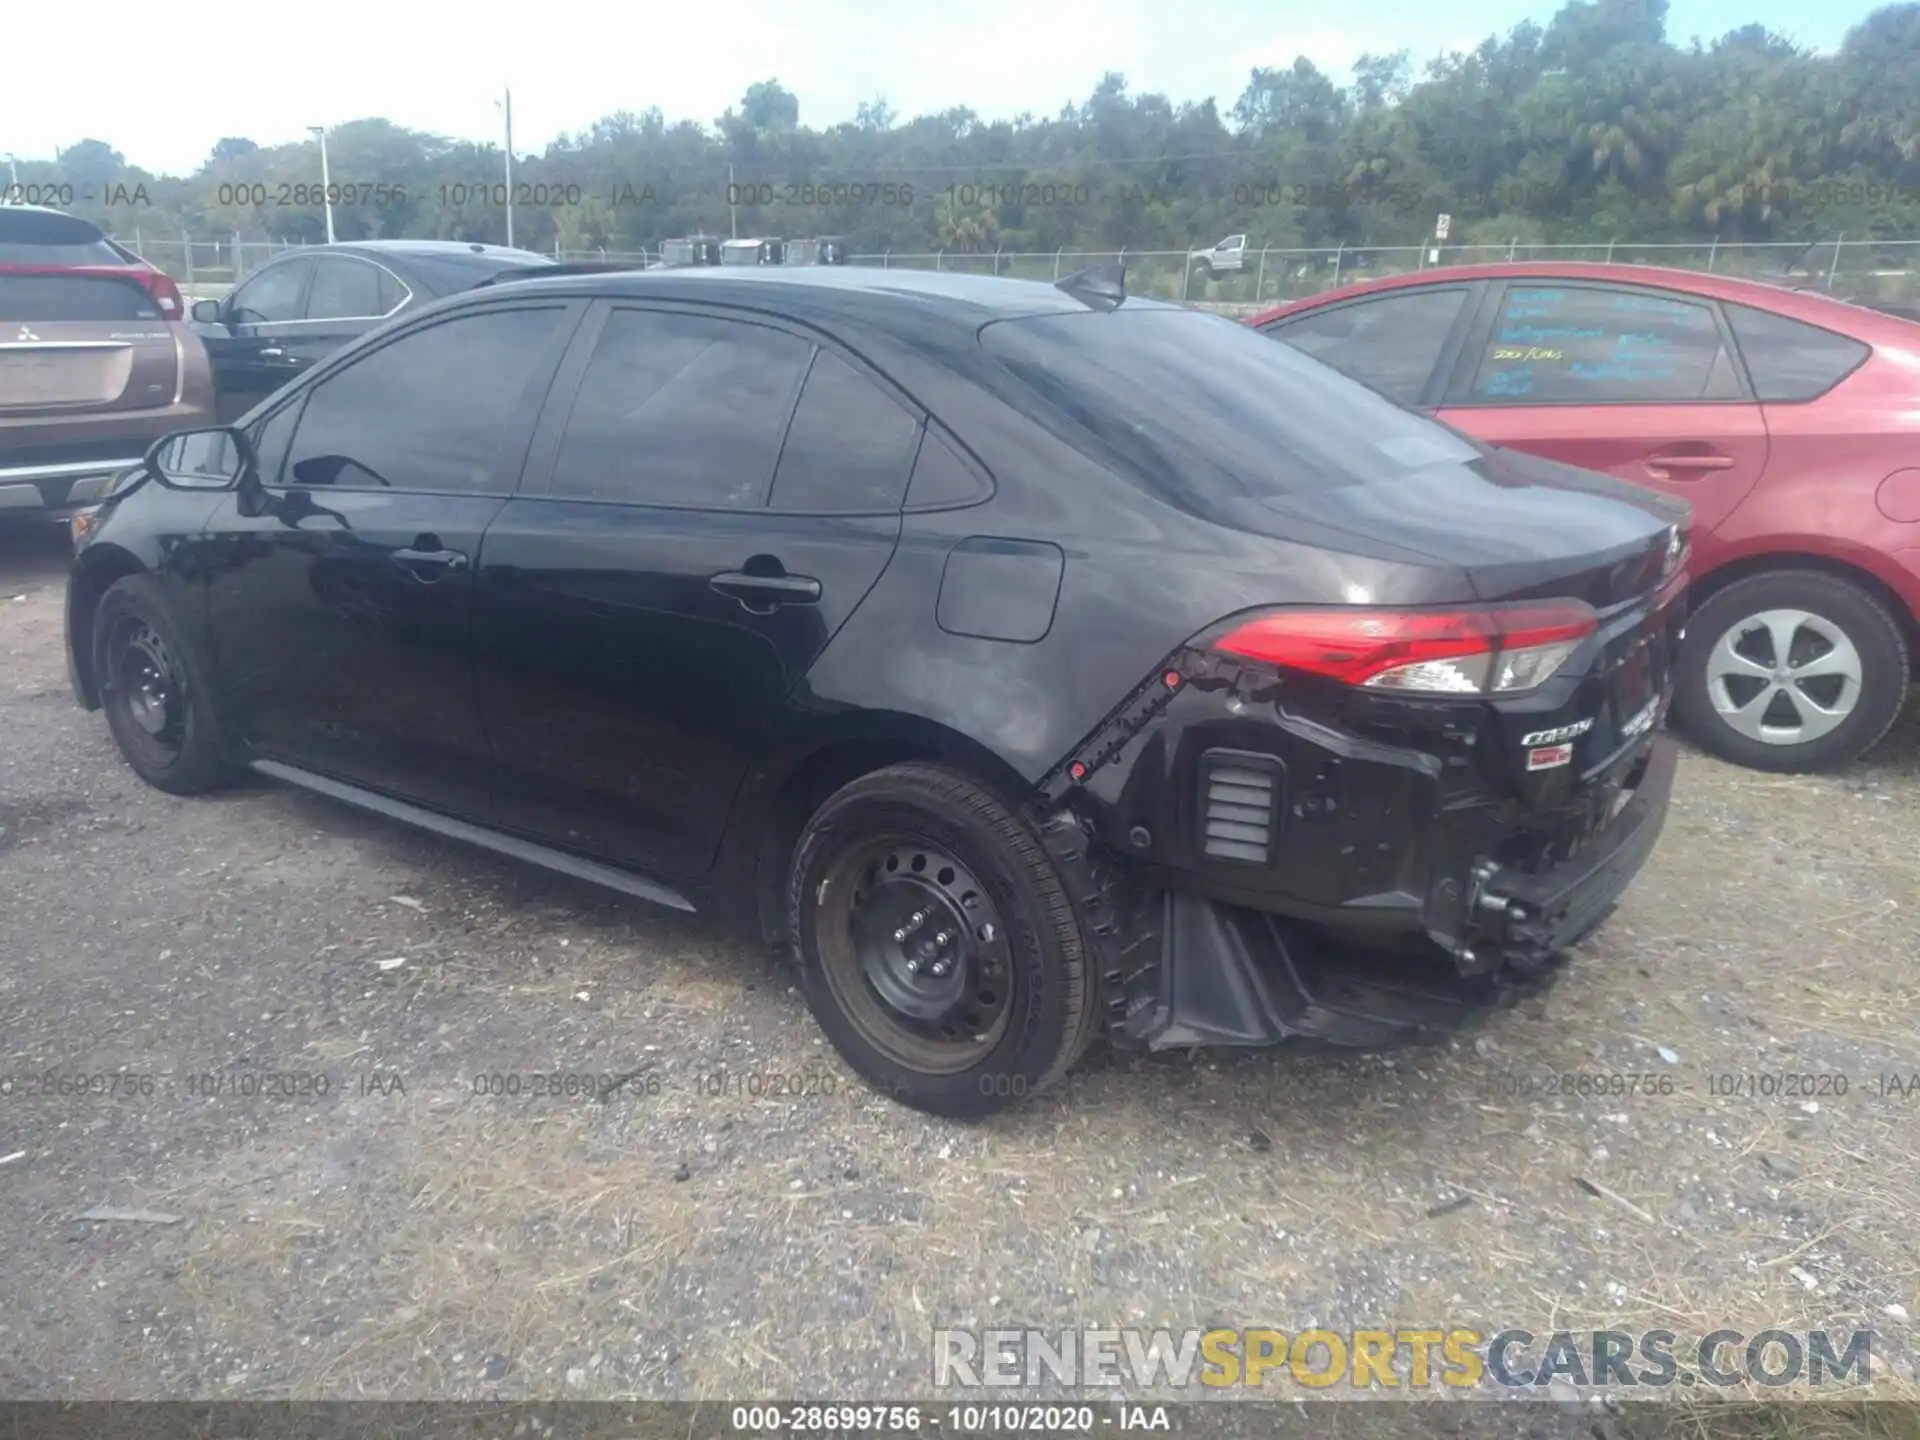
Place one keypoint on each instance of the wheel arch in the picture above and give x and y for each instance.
(779, 800)
(97, 569)
(1745, 567)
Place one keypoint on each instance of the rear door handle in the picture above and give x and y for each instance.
(758, 591)
(1659, 464)
(427, 566)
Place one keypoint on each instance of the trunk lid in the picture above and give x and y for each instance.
(1526, 529)
(82, 340)
(1521, 527)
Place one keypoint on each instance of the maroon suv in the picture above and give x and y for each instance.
(96, 361)
(1790, 420)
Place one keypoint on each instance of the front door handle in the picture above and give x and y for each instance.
(427, 566)
(765, 591)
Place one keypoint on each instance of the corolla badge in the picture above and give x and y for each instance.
(1555, 736)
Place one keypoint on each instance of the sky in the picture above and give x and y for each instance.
(441, 70)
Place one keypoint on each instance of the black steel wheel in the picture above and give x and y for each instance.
(154, 691)
(919, 952)
(937, 947)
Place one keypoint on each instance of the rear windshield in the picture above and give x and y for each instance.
(43, 237)
(1214, 409)
(73, 297)
(452, 273)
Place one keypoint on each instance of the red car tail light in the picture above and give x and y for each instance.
(165, 293)
(1485, 650)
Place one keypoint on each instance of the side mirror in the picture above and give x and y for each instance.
(207, 312)
(213, 459)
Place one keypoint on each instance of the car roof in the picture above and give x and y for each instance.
(827, 291)
(1813, 306)
(404, 248)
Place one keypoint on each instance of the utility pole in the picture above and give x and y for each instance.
(507, 109)
(733, 220)
(326, 183)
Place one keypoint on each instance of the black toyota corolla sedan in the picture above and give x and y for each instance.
(1035, 662)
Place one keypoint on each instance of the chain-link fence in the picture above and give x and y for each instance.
(1883, 270)
(1865, 269)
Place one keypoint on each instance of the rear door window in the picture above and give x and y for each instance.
(1594, 344)
(850, 446)
(1789, 360)
(344, 289)
(1391, 343)
(680, 409)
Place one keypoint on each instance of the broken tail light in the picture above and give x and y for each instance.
(1480, 650)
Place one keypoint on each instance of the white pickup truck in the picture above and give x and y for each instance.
(1229, 257)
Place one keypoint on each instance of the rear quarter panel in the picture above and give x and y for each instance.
(1827, 461)
(1138, 577)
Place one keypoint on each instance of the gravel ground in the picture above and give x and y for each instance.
(697, 1235)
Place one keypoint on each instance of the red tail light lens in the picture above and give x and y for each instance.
(1494, 649)
(165, 293)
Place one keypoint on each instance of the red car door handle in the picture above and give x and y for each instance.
(1658, 465)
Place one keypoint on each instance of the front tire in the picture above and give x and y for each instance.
(1791, 670)
(937, 946)
(153, 688)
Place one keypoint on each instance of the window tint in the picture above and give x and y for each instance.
(679, 409)
(1574, 345)
(344, 290)
(270, 438)
(1789, 360)
(1391, 343)
(73, 297)
(428, 412)
(1208, 410)
(40, 237)
(850, 446)
(273, 294)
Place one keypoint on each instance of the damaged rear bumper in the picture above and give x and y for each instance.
(1201, 971)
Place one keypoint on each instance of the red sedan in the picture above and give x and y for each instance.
(1789, 419)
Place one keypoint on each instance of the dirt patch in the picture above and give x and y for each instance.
(453, 1216)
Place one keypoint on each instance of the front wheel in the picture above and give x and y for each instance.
(937, 946)
(154, 691)
(1792, 671)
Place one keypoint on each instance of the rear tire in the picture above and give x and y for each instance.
(153, 688)
(937, 946)
(1826, 700)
